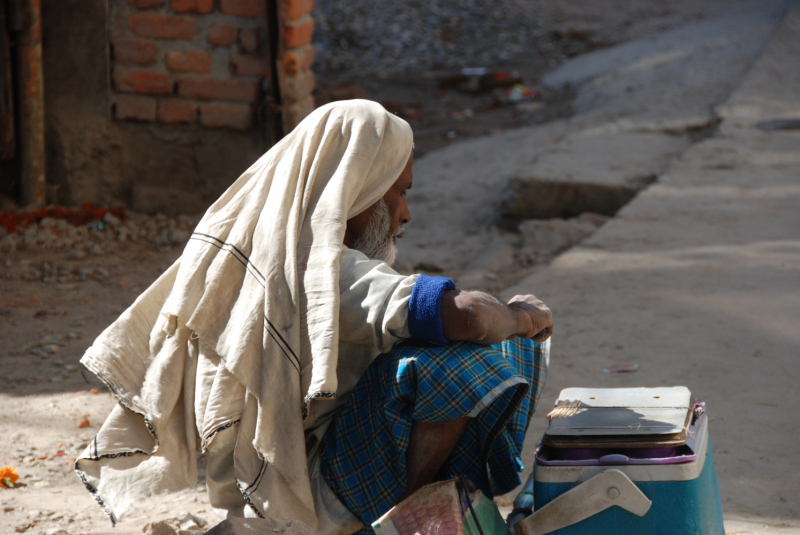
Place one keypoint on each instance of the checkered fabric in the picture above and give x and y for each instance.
(363, 452)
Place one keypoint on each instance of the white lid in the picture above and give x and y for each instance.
(675, 397)
(623, 412)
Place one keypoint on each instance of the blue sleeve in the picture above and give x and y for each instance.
(425, 308)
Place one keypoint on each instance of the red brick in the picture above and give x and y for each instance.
(188, 6)
(249, 65)
(218, 89)
(291, 9)
(161, 26)
(298, 87)
(189, 61)
(222, 35)
(145, 82)
(182, 6)
(136, 52)
(309, 57)
(248, 40)
(251, 9)
(177, 112)
(292, 63)
(297, 35)
(234, 116)
(309, 6)
(144, 4)
(298, 59)
(137, 108)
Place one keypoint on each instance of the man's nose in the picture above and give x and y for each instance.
(405, 214)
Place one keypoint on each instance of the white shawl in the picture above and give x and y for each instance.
(258, 284)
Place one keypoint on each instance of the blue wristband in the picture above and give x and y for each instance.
(425, 308)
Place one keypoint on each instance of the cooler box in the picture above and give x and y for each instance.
(625, 461)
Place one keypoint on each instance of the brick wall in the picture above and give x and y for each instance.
(198, 61)
(296, 54)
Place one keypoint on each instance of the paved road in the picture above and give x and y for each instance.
(698, 281)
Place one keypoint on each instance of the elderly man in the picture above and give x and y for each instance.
(322, 385)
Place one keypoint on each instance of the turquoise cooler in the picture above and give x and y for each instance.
(670, 491)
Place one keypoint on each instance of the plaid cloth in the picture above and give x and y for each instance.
(363, 452)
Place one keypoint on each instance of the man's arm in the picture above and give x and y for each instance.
(478, 317)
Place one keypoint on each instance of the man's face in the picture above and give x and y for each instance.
(396, 197)
(377, 227)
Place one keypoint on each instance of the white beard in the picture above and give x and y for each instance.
(378, 241)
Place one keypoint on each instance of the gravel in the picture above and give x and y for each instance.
(388, 38)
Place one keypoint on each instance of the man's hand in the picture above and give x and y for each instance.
(478, 317)
(534, 317)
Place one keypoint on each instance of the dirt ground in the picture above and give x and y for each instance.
(51, 408)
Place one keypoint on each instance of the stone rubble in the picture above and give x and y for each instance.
(45, 521)
(355, 36)
(96, 238)
(183, 524)
(256, 526)
(49, 346)
(387, 39)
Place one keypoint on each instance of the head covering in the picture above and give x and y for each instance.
(286, 216)
(258, 283)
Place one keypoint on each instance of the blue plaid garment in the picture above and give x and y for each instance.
(363, 452)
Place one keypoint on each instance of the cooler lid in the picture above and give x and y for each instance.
(620, 417)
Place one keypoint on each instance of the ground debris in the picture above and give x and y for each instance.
(621, 368)
(256, 526)
(84, 423)
(158, 528)
(88, 231)
(401, 37)
(8, 477)
(183, 524)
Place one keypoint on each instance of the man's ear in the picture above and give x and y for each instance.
(356, 225)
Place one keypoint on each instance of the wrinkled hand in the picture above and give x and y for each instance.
(533, 317)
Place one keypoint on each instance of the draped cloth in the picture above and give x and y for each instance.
(257, 287)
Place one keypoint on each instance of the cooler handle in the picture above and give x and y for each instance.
(612, 487)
